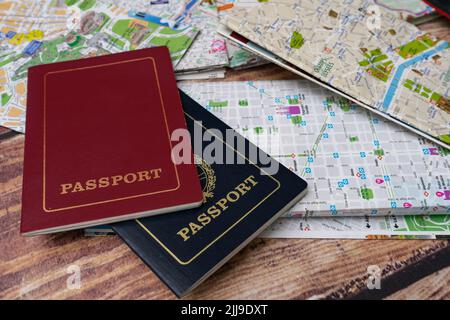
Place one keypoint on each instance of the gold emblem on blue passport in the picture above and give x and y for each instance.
(207, 177)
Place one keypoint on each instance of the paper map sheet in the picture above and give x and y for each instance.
(239, 58)
(208, 49)
(406, 8)
(388, 227)
(43, 31)
(362, 50)
(355, 162)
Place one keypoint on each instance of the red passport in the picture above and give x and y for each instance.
(98, 143)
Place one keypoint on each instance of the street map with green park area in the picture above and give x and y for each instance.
(34, 32)
(362, 51)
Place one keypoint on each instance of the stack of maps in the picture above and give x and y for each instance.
(370, 58)
(358, 163)
(45, 31)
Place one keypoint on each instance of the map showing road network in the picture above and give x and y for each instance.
(361, 50)
(208, 48)
(43, 31)
(388, 227)
(355, 162)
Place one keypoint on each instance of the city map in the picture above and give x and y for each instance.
(239, 58)
(43, 31)
(355, 162)
(388, 227)
(208, 49)
(363, 52)
(402, 8)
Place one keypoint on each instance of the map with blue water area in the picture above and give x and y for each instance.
(406, 8)
(361, 50)
(355, 162)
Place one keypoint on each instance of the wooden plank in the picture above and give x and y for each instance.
(417, 268)
(310, 269)
(6, 133)
(433, 287)
(439, 28)
(36, 267)
(266, 72)
(3, 130)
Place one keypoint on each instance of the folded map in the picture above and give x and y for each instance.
(361, 51)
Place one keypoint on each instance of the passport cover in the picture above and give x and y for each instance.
(441, 6)
(184, 248)
(98, 142)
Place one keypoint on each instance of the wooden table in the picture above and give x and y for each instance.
(37, 267)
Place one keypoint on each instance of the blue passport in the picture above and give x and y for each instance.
(243, 194)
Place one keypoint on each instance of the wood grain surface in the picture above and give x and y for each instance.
(38, 267)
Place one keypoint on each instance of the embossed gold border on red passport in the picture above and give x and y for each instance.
(45, 146)
(170, 252)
